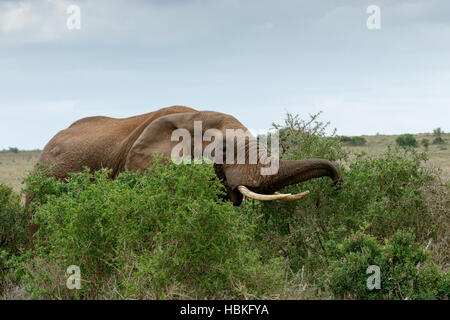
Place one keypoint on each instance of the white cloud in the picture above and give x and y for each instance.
(23, 22)
(16, 16)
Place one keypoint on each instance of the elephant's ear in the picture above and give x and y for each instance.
(156, 138)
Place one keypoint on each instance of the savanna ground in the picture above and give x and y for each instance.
(167, 235)
(14, 166)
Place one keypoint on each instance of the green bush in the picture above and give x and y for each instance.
(406, 140)
(301, 139)
(149, 233)
(381, 194)
(438, 140)
(13, 229)
(13, 224)
(405, 271)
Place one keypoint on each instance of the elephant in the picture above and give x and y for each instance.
(131, 143)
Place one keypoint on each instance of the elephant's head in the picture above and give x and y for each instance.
(242, 173)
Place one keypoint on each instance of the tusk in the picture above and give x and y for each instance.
(262, 197)
(295, 197)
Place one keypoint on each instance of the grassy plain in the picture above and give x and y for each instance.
(15, 166)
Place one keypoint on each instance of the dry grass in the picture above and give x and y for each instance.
(15, 166)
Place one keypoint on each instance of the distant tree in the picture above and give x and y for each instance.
(437, 133)
(13, 149)
(425, 143)
(406, 140)
(438, 140)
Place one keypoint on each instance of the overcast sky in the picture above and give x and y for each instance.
(254, 59)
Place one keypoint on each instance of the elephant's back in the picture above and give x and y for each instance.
(119, 126)
(97, 142)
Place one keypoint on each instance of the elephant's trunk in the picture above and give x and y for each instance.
(249, 181)
(295, 171)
